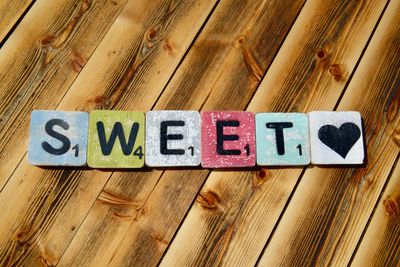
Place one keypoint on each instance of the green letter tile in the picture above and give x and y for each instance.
(116, 139)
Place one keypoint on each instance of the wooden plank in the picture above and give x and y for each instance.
(40, 61)
(10, 12)
(133, 235)
(235, 212)
(381, 242)
(43, 208)
(330, 208)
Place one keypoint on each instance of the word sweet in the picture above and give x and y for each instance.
(220, 139)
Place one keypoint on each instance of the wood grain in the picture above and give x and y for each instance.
(85, 55)
(41, 60)
(142, 238)
(380, 245)
(44, 209)
(330, 208)
(10, 12)
(246, 205)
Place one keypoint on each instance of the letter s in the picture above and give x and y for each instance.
(66, 143)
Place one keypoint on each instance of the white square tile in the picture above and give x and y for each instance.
(173, 138)
(336, 137)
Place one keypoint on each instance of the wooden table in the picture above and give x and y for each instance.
(255, 55)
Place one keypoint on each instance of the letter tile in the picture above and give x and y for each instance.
(116, 139)
(282, 139)
(336, 137)
(173, 138)
(228, 139)
(58, 138)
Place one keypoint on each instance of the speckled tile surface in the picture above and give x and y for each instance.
(236, 153)
(173, 138)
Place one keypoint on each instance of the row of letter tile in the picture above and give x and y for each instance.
(215, 139)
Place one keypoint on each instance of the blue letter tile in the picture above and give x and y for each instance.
(58, 138)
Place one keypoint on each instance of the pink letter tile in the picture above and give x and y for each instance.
(228, 139)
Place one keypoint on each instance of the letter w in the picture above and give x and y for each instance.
(107, 146)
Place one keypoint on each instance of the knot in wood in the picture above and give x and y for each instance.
(391, 207)
(168, 47)
(86, 4)
(208, 200)
(47, 40)
(238, 42)
(262, 174)
(152, 34)
(78, 61)
(322, 54)
(103, 101)
(338, 71)
(260, 178)
(20, 236)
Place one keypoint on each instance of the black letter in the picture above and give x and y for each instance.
(164, 137)
(106, 147)
(50, 131)
(221, 137)
(279, 126)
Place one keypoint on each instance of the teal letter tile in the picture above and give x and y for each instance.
(282, 139)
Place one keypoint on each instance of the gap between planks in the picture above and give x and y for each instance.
(207, 15)
(58, 44)
(152, 107)
(390, 178)
(201, 107)
(11, 22)
(335, 108)
(391, 97)
(339, 61)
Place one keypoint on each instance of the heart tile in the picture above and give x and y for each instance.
(336, 137)
(341, 139)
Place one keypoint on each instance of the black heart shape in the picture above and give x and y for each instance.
(341, 139)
